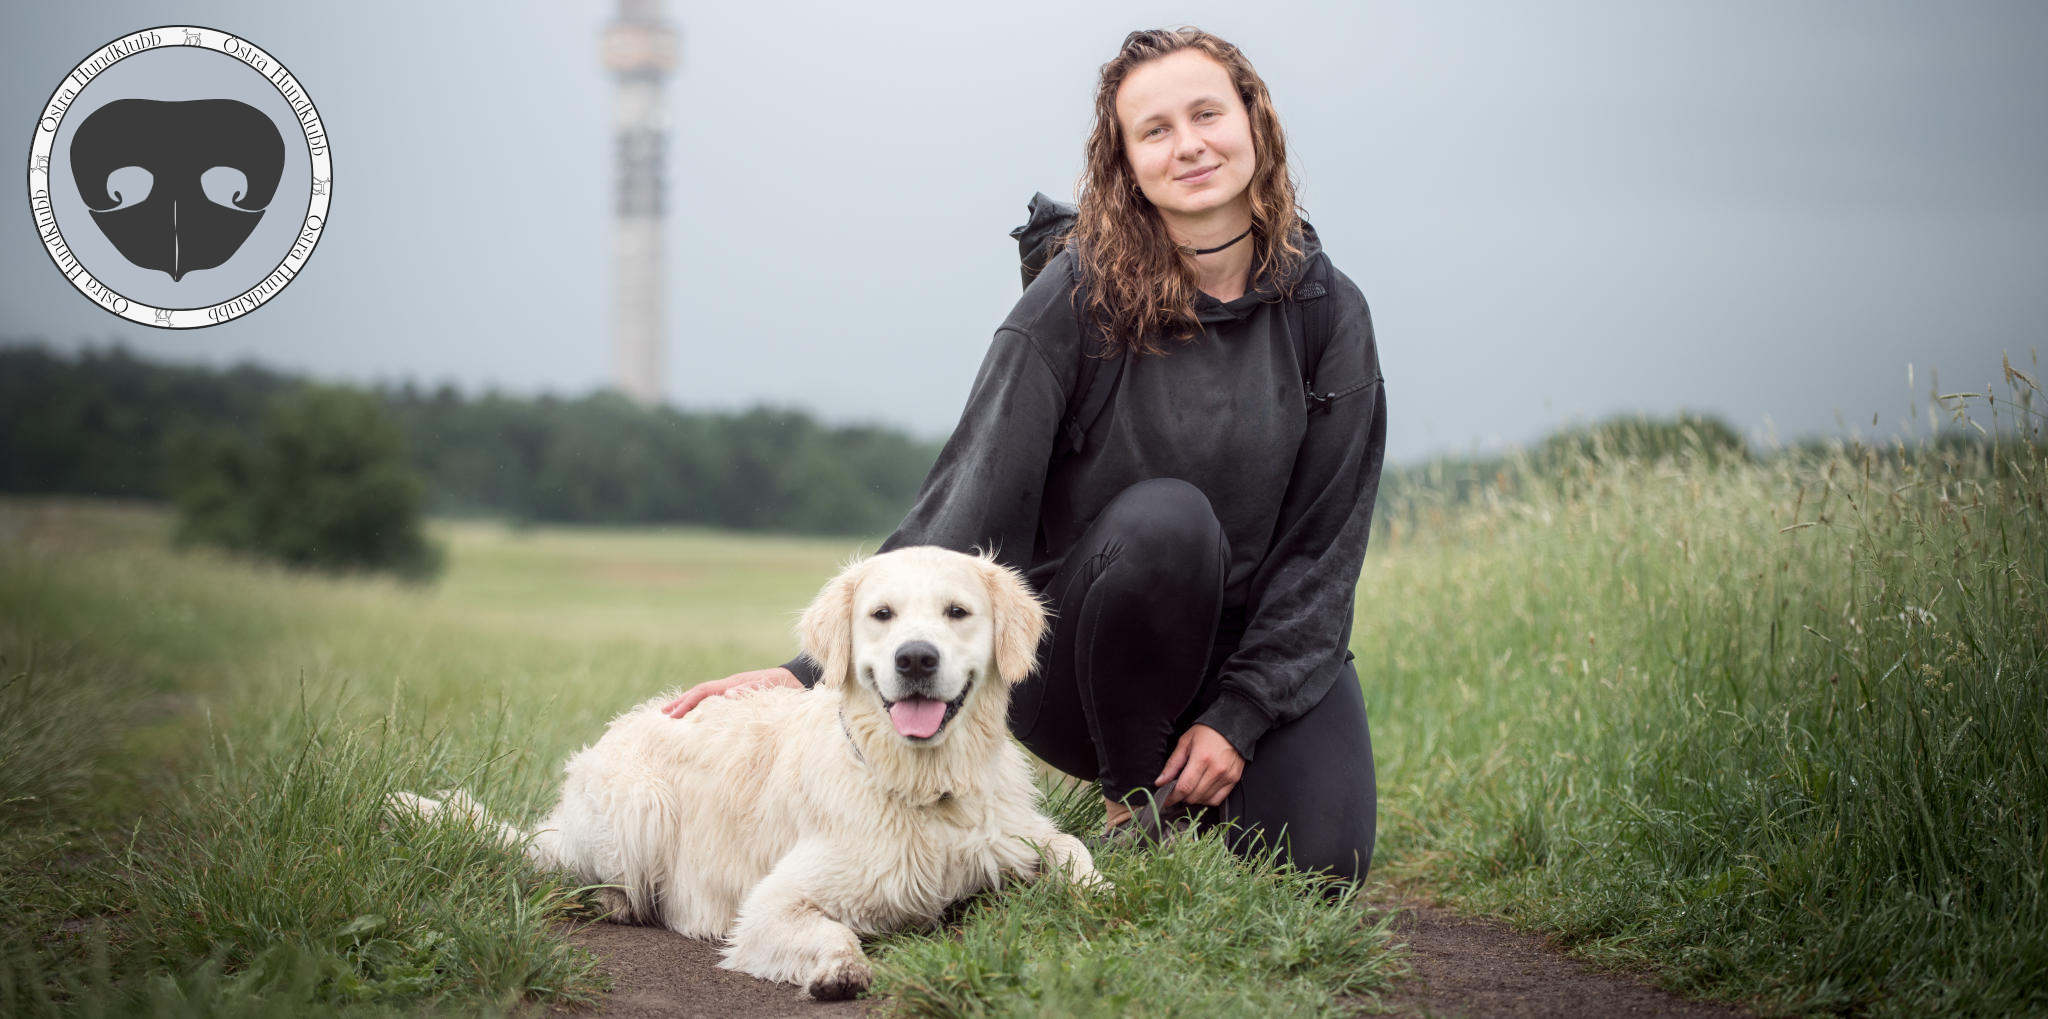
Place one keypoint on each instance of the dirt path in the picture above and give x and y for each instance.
(1462, 967)
(657, 972)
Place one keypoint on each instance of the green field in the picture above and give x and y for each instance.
(1776, 731)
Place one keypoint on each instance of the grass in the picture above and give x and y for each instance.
(196, 748)
(255, 718)
(1188, 930)
(1778, 731)
(1772, 730)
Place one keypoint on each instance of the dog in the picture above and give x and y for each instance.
(790, 821)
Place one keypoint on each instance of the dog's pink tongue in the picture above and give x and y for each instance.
(917, 717)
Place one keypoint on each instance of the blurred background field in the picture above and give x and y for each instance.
(565, 625)
(1768, 724)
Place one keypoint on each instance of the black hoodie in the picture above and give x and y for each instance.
(1294, 490)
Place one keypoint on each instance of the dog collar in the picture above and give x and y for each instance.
(850, 744)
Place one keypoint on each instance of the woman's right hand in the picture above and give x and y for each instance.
(777, 676)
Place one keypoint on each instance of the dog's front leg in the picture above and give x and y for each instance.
(782, 934)
(1059, 851)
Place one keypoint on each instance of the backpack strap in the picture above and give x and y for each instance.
(1038, 240)
(1317, 321)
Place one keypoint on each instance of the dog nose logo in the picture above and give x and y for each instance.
(180, 177)
(185, 159)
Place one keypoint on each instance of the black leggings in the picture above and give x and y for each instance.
(1132, 659)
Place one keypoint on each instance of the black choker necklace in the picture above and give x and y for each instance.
(1210, 251)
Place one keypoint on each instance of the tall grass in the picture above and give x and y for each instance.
(268, 880)
(50, 756)
(1778, 729)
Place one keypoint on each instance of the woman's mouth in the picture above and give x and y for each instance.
(1198, 178)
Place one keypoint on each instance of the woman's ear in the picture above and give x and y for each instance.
(825, 632)
(1019, 621)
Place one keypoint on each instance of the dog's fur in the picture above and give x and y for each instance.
(788, 820)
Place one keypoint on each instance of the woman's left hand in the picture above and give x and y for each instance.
(1204, 768)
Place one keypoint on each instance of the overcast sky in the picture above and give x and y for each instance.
(1765, 210)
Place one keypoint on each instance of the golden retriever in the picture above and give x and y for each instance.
(789, 821)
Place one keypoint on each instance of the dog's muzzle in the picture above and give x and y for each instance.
(919, 717)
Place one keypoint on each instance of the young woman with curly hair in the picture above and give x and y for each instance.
(1202, 548)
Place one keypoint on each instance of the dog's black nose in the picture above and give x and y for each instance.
(917, 659)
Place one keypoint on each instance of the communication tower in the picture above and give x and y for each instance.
(640, 51)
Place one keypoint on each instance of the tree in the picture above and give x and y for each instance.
(325, 484)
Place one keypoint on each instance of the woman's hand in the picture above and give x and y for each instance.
(1203, 769)
(777, 676)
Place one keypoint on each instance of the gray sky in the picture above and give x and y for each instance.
(1764, 210)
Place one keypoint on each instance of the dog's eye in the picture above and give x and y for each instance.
(956, 612)
(883, 613)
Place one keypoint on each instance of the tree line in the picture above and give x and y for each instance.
(105, 422)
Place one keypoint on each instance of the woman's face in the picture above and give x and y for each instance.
(1187, 136)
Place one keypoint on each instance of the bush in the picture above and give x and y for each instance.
(326, 485)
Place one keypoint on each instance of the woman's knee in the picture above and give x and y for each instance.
(1313, 779)
(1347, 863)
(1344, 853)
(1166, 526)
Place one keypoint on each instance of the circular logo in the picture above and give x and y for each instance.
(180, 177)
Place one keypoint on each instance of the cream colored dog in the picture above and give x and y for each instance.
(789, 821)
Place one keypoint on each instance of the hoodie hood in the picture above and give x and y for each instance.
(1262, 291)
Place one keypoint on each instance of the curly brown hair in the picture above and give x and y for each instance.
(1141, 285)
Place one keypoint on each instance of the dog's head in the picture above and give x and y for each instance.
(918, 630)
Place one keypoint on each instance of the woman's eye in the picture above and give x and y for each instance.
(956, 612)
(1154, 131)
(883, 613)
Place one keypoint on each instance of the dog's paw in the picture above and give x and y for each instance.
(840, 979)
(613, 905)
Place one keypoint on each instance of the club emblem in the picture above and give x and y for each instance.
(172, 209)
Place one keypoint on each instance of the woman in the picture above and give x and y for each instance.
(1202, 548)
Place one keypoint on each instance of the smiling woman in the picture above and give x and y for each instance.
(1187, 136)
(1192, 158)
(1201, 539)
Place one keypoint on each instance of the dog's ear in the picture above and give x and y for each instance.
(1019, 621)
(825, 632)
